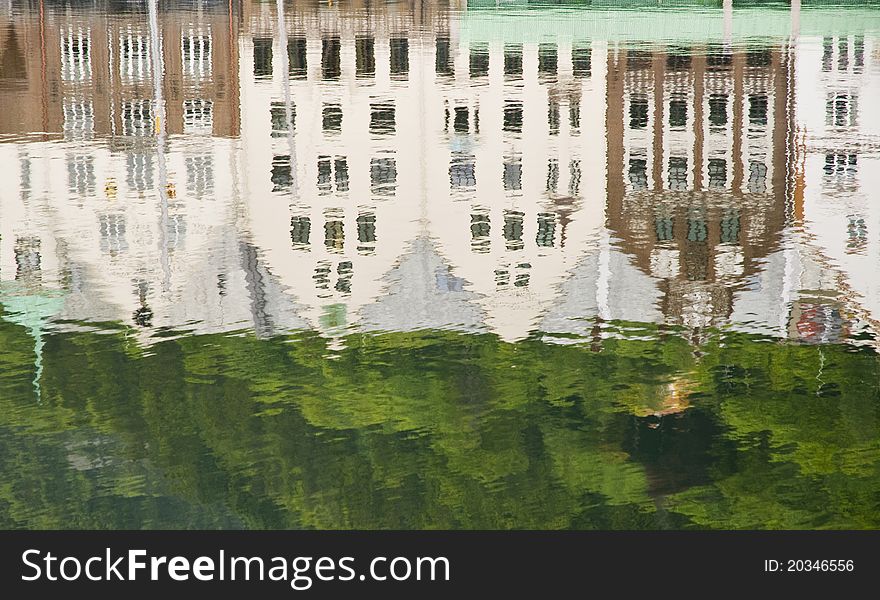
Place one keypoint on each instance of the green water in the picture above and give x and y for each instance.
(438, 430)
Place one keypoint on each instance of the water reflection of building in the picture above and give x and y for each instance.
(841, 173)
(697, 142)
(67, 64)
(81, 211)
(374, 107)
(393, 171)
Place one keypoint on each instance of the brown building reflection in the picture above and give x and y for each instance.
(60, 65)
(697, 173)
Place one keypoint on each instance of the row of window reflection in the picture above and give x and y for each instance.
(134, 55)
(365, 58)
(333, 170)
(112, 233)
(334, 233)
(140, 174)
(841, 165)
(856, 234)
(677, 174)
(697, 227)
(678, 110)
(841, 110)
(850, 53)
(512, 230)
(718, 58)
(137, 118)
(282, 117)
(462, 174)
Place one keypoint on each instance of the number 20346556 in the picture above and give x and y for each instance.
(807, 565)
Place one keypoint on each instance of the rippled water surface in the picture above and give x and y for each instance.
(439, 265)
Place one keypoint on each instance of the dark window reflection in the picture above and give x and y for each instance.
(718, 110)
(547, 60)
(758, 109)
(344, 271)
(322, 275)
(841, 164)
(460, 125)
(112, 228)
(383, 176)
(28, 258)
(297, 63)
(513, 229)
(840, 110)
(638, 111)
(281, 174)
(330, 62)
(574, 115)
(325, 173)
(137, 118)
(857, 234)
(580, 60)
(81, 174)
(664, 227)
(513, 175)
(340, 166)
(382, 118)
(262, 58)
(552, 175)
(758, 57)
(680, 60)
(678, 112)
(513, 116)
(139, 170)
(278, 115)
(480, 232)
(717, 173)
(399, 57)
(334, 235)
(366, 226)
(365, 56)
(827, 53)
(553, 117)
(300, 228)
(199, 174)
(462, 171)
(638, 173)
(843, 54)
(859, 52)
(513, 61)
(332, 117)
(479, 60)
(443, 62)
(522, 278)
(574, 183)
(678, 172)
(719, 59)
(546, 235)
(757, 177)
(638, 60)
(730, 226)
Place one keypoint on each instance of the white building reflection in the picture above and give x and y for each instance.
(396, 169)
